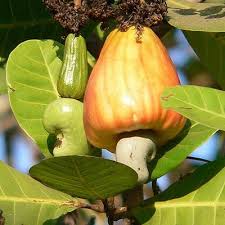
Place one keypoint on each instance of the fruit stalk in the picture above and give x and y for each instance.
(135, 152)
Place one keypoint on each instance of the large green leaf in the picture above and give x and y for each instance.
(26, 201)
(198, 199)
(201, 104)
(85, 176)
(210, 47)
(32, 71)
(22, 20)
(209, 17)
(175, 152)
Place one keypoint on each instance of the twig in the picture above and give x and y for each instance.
(155, 187)
(109, 209)
(120, 213)
(134, 196)
(2, 219)
(132, 199)
(198, 159)
(98, 207)
(110, 203)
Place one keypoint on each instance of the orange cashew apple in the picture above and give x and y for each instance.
(122, 110)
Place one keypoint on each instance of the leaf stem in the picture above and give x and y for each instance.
(198, 159)
(155, 187)
(97, 207)
(109, 209)
(2, 219)
(132, 199)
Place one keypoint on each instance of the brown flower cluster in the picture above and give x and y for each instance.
(126, 13)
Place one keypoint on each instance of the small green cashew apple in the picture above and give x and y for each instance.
(64, 118)
(74, 72)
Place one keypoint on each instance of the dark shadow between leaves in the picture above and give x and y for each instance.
(212, 12)
(51, 140)
(58, 221)
(71, 218)
(143, 215)
(2, 218)
(186, 12)
(217, 16)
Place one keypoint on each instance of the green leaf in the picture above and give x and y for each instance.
(200, 104)
(26, 201)
(209, 17)
(175, 152)
(210, 47)
(197, 199)
(3, 86)
(23, 20)
(85, 176)
(32, 72)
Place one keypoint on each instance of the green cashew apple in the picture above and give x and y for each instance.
(74, 72)
(64, 118)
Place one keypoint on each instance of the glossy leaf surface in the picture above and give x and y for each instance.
(200, 104)
(32, 73)
(26, 201)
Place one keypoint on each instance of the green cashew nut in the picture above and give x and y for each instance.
(64, 118)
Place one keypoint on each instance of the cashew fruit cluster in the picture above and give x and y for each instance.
(64, 116)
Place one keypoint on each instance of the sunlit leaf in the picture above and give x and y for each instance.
(26, 201)
(200, 104)
(197, 199)
(32, 72)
